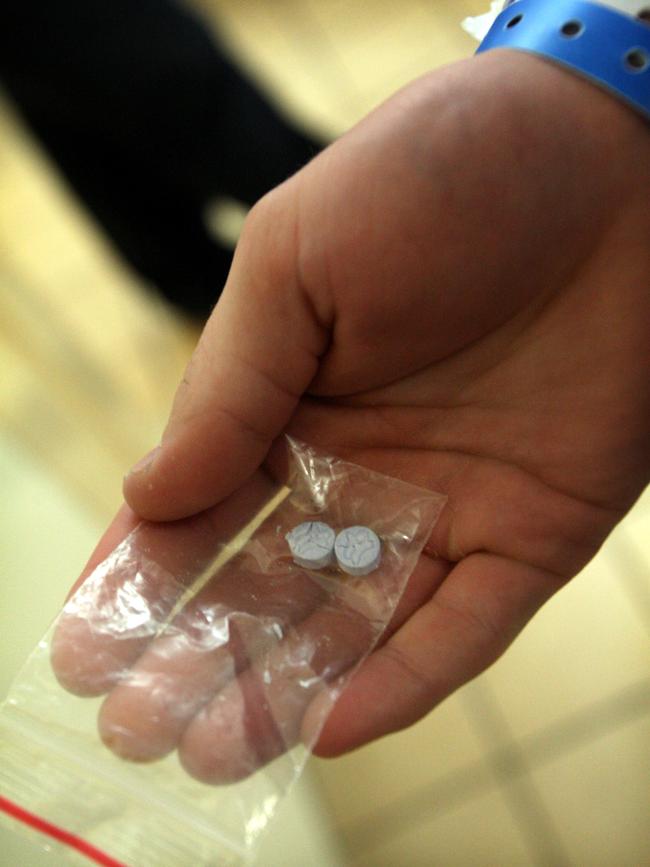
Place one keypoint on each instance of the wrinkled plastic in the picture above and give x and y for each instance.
(176, 697)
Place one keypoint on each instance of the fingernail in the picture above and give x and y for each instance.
(145, 462)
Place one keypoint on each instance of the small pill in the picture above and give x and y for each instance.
(312, 544)
(357, 550)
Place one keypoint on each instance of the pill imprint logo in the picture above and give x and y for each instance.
(357, 550)
(311, 537)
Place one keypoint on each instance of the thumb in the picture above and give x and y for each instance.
(257, 354)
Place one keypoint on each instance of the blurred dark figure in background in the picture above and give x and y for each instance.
(149, 122)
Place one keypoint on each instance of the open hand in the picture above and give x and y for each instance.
(456, 293)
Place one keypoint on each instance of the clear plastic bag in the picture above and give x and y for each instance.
(209, 660)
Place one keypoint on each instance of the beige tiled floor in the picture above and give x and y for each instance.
(388, 772)
(545, 760)
(478, 831)
(597, 795)
(587, 642)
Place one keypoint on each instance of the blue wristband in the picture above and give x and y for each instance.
(600, 43)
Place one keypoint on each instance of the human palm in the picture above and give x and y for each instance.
(456, 294)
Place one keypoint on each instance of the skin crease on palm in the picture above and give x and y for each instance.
(455, 293)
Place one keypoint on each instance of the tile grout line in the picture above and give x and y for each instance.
(586, 725)
(511, 772)
(389, 820)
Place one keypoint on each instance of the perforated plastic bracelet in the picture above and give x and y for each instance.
(606, 46)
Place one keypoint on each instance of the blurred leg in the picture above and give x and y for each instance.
(148, 121)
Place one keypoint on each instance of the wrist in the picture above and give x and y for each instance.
(571, 109)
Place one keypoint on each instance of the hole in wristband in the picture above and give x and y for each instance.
(572, 29)
(637, 60)
(644, 14)
(513, 21)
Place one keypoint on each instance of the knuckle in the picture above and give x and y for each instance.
(420, 678)
(487, 634)
(267, 246)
